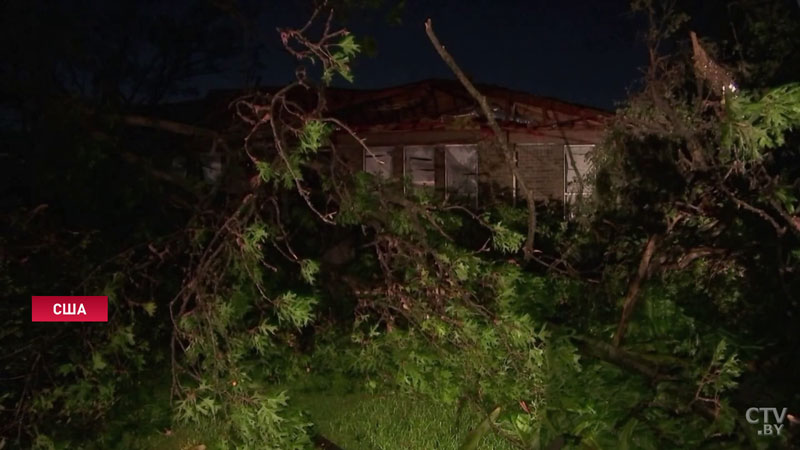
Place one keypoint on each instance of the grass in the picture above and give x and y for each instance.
(352, 422)
(350, 419)
(359, 421)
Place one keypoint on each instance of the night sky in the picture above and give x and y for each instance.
(580, 51)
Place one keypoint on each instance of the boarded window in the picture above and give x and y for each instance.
(378, 161)
(580, 156)
(419, 166)
(461, 169)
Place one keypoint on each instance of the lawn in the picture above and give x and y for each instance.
(351, 420)
(359, 421)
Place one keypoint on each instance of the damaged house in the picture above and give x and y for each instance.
(432, 133)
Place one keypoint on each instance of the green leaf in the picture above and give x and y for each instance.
(309, 270)
(66, 369)
(98, 363)
(296, 309)
(313, 136)
(265, 171)
(149, 308)
(506, 240)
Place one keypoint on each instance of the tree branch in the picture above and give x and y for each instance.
(633, 288)
(779, 230)
(500, 137)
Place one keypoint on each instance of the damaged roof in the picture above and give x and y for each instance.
(440, 103)
(424, 105)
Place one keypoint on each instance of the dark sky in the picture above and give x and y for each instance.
(582, 51)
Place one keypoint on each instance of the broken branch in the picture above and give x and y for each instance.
(500, 137)
(633, 288)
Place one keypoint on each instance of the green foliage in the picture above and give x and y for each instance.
(259, 421)
(313, 136)
(713, 180)
(506, 240)
(265, 171)
(309, 270)
(253, 298)
(722, 372)
(756, 125)
(467, 357)
(345, 51)
(255, 235)
(295, 309)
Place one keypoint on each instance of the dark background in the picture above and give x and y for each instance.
(579, 51)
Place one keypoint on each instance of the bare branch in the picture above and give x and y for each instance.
(500, 137)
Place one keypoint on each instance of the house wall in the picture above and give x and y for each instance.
(541, 167)
(540, 156)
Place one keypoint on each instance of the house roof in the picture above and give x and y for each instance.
(443, 101)
(428, 104)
